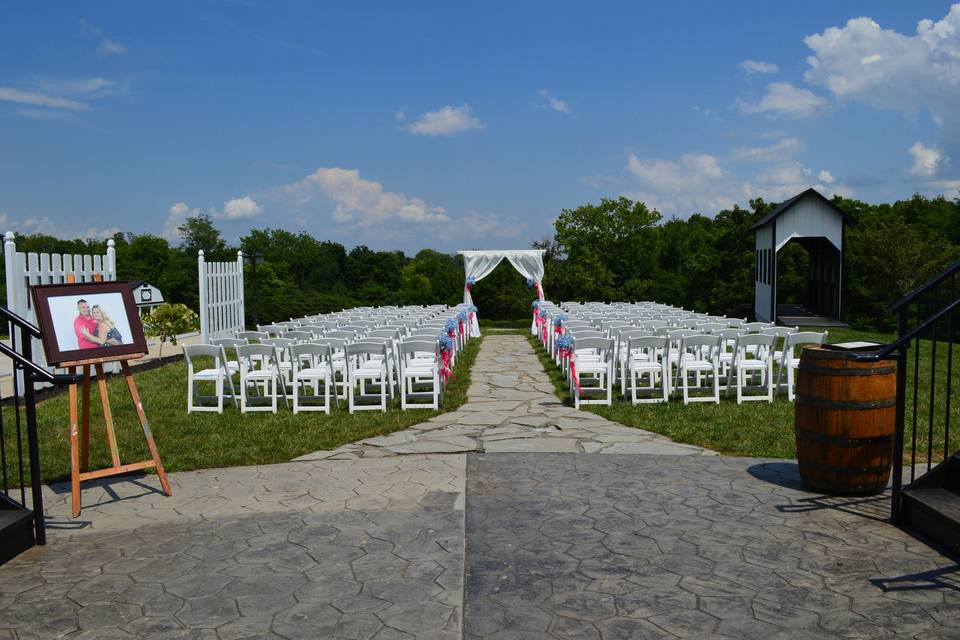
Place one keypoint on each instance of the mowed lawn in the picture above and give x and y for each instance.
(762, 429)
(205, 440)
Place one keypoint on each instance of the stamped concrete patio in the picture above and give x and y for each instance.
(382, 540)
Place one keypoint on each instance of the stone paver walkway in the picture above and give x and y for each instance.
(511, 407)
(383, 542)
(654, 547)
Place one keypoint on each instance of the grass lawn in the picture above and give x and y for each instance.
(761, 429)
(205, 440)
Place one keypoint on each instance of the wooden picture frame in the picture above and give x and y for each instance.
(88, 321)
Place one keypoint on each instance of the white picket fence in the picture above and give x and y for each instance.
(221, 298)
(23, 270)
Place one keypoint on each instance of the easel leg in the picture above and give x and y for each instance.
(107, 415)
(141, 414)
(74, 450)
(85, 424)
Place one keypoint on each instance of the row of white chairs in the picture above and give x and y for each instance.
(296, 361)
(655, 351)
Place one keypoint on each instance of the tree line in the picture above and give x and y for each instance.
(617, 249)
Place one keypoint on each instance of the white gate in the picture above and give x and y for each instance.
(221, 298)
(23, 270)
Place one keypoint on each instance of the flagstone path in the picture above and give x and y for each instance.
(380, 542)
(511, 408)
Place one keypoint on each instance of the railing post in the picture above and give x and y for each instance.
(897, 485)
(33, 445)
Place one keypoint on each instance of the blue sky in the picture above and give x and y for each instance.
(448, 125)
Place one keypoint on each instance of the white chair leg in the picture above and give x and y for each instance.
(219, 392)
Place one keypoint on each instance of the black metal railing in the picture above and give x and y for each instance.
(15, 460)
(924, 351)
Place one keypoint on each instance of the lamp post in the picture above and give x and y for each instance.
(253, 259)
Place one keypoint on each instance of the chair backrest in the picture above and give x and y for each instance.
(727, 335)
(755, 340)
(335, 344)
(229, 342)
(600, 343)
(780, 332)
(191, 351)
(418, 346)
(756, 327)
(265, 354)
(711, 327)
(582, 333)
(312, 352)
(735, 322)
(648, 342)
(251, 336)
(298, 336)
(340, 333)
(696, 341)
(390, 334)
(272, 329)
(794, 340)
(363, 348)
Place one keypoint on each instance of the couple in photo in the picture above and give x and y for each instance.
(94, 328)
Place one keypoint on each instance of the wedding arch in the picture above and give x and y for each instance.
(477, 265)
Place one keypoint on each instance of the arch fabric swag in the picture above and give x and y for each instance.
(479, 264)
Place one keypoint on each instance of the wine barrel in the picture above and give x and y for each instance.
(845, 418)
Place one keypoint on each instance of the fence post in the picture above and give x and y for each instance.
(111, 267)
(203, 296)
(242, 320)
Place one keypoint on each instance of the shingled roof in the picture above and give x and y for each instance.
(786, 204)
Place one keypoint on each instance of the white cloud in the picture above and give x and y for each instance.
(445, 121)
(178, 214)
(925, 159)
(784, 99)
(784, 148)
(105, 46)
(20, 96)
(552, 102)
(400, 115)
(361, 203)
(759, 66)
(108, 47)
(886, 69)
(241, 209)
(698, 182)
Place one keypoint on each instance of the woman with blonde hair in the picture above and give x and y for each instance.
(106, 328)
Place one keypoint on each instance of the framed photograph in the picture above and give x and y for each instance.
(89, 320)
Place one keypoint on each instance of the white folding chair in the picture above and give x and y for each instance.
(259, 372)
(217, 374)
(648, 355)
(700, 354)
(592, 359)
(753, 355)
(790, 361)
(366, 365)
(419, 366)
(312, 365)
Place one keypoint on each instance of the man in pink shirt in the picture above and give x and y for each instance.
(85, 327)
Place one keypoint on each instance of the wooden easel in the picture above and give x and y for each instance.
(80, 431)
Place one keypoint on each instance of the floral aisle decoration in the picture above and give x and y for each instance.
(565, 351)
(535, 285)
(558, 324)
(469, 285)
(451, 328)
(446, 356)
(461, 324)
(474, 326)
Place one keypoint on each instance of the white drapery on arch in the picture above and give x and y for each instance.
(479, 264)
